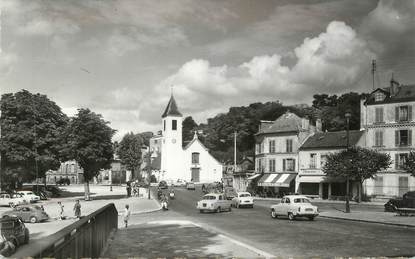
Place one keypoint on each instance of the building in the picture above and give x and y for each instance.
(191, 163)
(276, 151)
(387, 119)
(311, 180)
(117, 174)
(68, 170)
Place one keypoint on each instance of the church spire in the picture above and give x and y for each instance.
(171, 109)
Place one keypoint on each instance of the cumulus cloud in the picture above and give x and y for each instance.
(330, 62)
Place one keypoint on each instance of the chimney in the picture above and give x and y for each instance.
(319, 126)
(394, 86)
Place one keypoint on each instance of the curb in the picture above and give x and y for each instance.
(370, 221)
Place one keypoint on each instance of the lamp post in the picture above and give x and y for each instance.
(347, 115)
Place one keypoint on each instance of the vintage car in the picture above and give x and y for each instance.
(229, 192)
(163, 185)
(14, 233)
(179, 183)
(30, 196)
(214, 202)
(243, 199)
(294, 206)
(28, 213)
(407, 201)
(12, 200)
(191, 186)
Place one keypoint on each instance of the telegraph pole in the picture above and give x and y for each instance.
(234, 152)
(373, 73)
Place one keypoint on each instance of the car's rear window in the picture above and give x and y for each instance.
(245, 195)
(301, 200)
(209, 197)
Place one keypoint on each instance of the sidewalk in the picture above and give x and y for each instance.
(388, 218)
(375, 203)
(175, 239)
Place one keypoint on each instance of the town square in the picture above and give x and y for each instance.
(207, 129)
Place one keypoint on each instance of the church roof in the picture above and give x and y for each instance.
(171, 109)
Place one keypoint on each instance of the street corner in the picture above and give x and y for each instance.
(174, 238)
(138, 205)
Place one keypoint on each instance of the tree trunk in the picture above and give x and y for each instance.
(87, 195)
(360, 189)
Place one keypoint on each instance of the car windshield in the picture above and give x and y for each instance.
(301, 200)
(209, 197)
(29, 193)
(245, 195)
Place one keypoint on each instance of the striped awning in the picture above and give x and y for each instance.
(276, 180)
(253, 177)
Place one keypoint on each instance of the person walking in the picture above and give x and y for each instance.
(126, 215)
(77, 209)
(60, 210)
(128, 189)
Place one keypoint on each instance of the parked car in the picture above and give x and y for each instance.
(294, 206)
(407, 201)
(11, 200)
(28, 213)
(163, 185)
(243, 199)
(63, 181)
(30, 196)
(191, 186)
(214, 202)
(42, 194)
(230, 193)
(179, 183)
(14, 233)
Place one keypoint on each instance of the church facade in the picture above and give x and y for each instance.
(191, 163)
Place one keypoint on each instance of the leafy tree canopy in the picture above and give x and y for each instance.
(189, 126)
(129, 150)
(409, 165)
(31, 127)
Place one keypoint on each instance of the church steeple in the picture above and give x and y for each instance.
(171, 109)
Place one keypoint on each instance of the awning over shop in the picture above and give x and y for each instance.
(253, 177)
(276, 180)
(312, 179)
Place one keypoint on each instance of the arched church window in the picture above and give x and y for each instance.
(195, 158)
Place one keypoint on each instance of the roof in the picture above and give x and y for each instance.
(405, 93)
(287, 122)
(171, 109)
(331, 140)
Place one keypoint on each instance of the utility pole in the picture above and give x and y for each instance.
(234, 152)
(347, 115)
(373, 73)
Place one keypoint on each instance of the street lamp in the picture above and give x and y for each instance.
(347, 115)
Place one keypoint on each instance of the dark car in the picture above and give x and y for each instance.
(14, 233)
(63, 181)
(163, 185)
(28, 213)
(407, 201)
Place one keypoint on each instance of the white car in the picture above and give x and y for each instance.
(294, 206)
(11, 200)
(214, 202)
(243, 199)
(179, 183)
(28, 195)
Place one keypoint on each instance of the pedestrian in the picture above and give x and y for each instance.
(60, 210)
(128, 189)
(77, 209)
(42, 208)
(126, 215)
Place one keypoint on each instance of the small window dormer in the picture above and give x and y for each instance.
(379, 96)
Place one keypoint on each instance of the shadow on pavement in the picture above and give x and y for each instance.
(66, 194)
(162, 241)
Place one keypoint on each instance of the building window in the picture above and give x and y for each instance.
(272, 146)
(195, 158)
(379, 115)
(174, 125)
(313, 160)
(272, 165)
(379, 97)
(403, 113)
(400, 160)
(379, 138)
(289, 145)
(164, 122)
(261, 148)
(288, 164)
(323, 159)
(379, 185)
(403, 138)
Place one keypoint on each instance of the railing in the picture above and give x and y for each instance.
(84, 238)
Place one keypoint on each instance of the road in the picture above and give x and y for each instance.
(322, 237)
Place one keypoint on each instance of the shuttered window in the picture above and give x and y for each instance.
(288, 164)
(403, 113)
(271, 165)
(379, 185)
(379, 115)
(379, 138)
(272, 146)
(289, 145)
(403, 138)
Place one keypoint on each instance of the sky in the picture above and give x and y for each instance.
(123, 59)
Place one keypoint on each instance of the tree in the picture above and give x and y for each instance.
(130, 151)
(409, 165)
(189, 125)
(88, 141)
(357, 164)
(31, 127)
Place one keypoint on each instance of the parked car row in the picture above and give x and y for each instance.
(28, 213)
(407, 201)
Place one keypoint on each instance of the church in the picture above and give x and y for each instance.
(172, 161)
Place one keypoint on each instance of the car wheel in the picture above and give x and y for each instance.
(33, 219)
(217, 209)
(274, 214)
(290, 216)
(311, 218)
